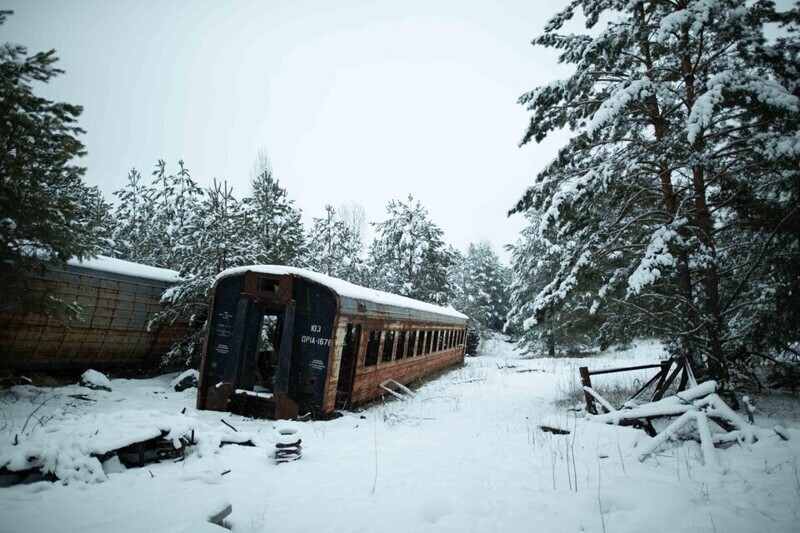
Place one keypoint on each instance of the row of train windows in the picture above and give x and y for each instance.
(402, 344)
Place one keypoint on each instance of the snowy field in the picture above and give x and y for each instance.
(465, 454)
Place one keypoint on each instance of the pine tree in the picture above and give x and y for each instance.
(172, 199)
(133, 211)
(681, 112)
(215, 237)
(47, 212)
(479, 283)
(151, 218)
(409, 256)
(330, 248)
(101, 219)
(354, 218)
(278, 236)
(570, 326)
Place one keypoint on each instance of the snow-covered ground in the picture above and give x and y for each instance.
(465, 454)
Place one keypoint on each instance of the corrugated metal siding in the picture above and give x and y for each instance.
(112, 334)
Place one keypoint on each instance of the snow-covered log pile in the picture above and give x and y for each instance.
(699, 405)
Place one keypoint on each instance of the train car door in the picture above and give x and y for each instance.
(347, 366)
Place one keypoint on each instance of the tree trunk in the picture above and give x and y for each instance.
(671, 206)
(717, 364)
(717, 360)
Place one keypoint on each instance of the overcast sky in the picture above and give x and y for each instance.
(353, 100)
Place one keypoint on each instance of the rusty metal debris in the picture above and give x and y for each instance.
(288, 448)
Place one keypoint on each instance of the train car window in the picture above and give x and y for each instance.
(388, 345)
(448, 339)
(420, 342)
(428, 341)
(268, 285)
(412, 343)
(400, 351)
(440, 341)
(373, 344)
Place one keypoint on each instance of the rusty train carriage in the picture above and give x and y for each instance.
(283, 341)
(117, 299)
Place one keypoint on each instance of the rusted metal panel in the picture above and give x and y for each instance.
(110, 334)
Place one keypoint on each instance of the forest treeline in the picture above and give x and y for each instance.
(168, 221)
(672, 212)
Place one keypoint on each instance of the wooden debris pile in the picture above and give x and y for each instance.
(674, 392)
(698, 404)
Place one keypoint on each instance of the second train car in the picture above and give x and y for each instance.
(283, 342)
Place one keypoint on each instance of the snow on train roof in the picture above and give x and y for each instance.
(345, 288)
(126, 268)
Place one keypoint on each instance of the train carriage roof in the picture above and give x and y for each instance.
(350, 295)
(110, 265)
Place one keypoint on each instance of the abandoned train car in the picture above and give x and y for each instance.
(117, 299)
(284, 341)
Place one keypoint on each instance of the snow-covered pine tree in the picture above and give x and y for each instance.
(173, 199)
(491, 279)
(566, 328)
(675, 107)
(409, 256)
(330, 248)
(354, 218)
(151, 218)
(480, 283)
(101, 218)
(132, 212)
(215, 237)
(46, 210)
(277, 236)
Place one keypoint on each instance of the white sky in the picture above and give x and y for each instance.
(353, 100)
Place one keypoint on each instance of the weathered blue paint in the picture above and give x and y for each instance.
(224, 338)
(315, 309)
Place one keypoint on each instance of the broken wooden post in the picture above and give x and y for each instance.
(586, 380)
(218, 517)
(596, 395)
